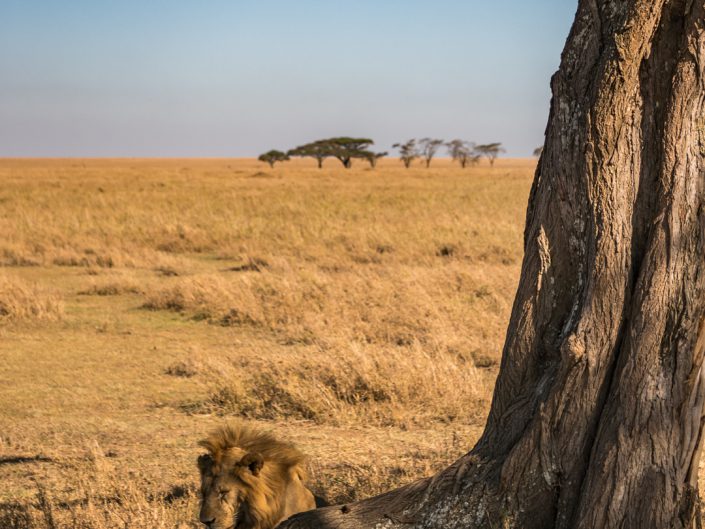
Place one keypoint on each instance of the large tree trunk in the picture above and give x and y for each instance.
(597, 415)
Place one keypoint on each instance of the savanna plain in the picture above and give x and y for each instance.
(358, 313)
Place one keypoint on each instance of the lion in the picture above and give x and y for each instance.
(250, 480)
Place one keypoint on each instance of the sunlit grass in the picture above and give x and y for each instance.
(360, 313)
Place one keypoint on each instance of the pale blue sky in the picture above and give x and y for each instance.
(237, 77)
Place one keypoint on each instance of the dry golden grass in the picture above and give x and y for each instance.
(22, 300)
(362, 386)
(358, 313)
(113, 284)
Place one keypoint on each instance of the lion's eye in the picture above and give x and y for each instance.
(224, 492)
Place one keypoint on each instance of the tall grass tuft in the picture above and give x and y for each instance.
(21, 300)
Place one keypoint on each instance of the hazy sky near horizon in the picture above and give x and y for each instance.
(235, 78)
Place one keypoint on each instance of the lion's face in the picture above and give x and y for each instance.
(224, 488)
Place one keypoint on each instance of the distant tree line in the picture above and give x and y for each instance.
(346, 149)
(461, 151)
(343, 148)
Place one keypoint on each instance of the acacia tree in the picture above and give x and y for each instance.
(345, 149)
(408, 152)
(462, 152)
(273, 156)
(428, 148)
(318, 150)
(596, 420)
(490, 151)
(373, 157)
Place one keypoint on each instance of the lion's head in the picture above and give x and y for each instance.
(250, 480)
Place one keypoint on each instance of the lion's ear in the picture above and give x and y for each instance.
(205, 463)
(254, 462)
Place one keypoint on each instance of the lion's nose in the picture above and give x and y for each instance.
(207, 523)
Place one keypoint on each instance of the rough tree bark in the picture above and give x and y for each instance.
(597, 416)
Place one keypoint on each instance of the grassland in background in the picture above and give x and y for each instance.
(359, 313)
